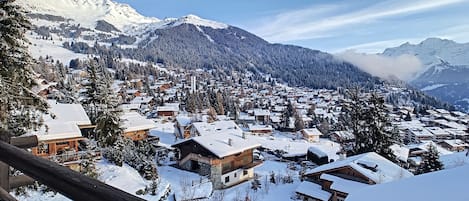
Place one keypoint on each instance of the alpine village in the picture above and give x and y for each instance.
(98, 102)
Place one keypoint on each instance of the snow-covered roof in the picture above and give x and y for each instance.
(260, 127)
(57, 130)
(73, 113)
(437, 131)
(312, 132)
(168, 108)
(128, 107)
(344, 135)
(133, 121)
(343, 185)
(401, 152)
(318, 152)
(183, 120)
(456, 143)
(217, 127)
(313, 190)
(141, 100)
(259, 112)
(385, 170)
(222, 138)
(448, 184)
(420, 132)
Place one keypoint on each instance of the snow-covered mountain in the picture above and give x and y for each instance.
(65, 29)
(90, 13)
(446, 72)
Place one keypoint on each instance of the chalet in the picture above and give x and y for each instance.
(260, 129)
(454, 145)
(221, 152)
(59, 137)
(168, 110)
(136, 83)
(346, 176)
(143, 102)
(136, 127)
(418, 134)
(439, 133)
(262, 116)
(183, 126)
(311, 134)
(342, 136)
(43, 87)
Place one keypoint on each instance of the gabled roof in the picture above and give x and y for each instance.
(313, 190)
(62, 112)
(450, 184)
(312, 132)
(133, 121)
(343, 185)
(217, 136)
(58, 131)
(371, 165)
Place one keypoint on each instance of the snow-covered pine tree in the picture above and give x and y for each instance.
(376, 122)
(367, 119)
(430, 161)
(20, 108)
(107, 112)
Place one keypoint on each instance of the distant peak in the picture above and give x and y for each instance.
(434, 41)
(198, 21)
(191, 16)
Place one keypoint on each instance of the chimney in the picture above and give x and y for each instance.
(244, 135)
(230, 141)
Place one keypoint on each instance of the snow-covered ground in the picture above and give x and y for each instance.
(54, 49)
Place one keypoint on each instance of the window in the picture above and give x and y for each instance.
(227, 179)
(235, 174)
(245, 172)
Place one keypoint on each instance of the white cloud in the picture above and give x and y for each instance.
(377, 46)
(404, 67)
(322, 21)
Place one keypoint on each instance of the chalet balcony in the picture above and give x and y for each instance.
(244, 167)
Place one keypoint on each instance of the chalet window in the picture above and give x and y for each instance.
(245, 172)
(235, 174)
(43, 149)
(227, 179)
(226, 166)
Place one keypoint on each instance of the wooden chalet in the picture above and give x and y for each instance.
(59, 138)
(311, 134)
(344, 176)
(260, 129)
(168, 110)
(262, 116)
(183, 126)
(456, 145)
(224, 155)
(136, 127)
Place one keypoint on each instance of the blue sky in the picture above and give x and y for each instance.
(328, 25)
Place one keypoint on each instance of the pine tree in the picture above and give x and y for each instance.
(430, 161)
(299, 123)
(20, 108)
(367, 119)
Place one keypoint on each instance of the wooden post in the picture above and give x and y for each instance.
(4, 176)
(4, 168)
(24, 142)
(5, 196)
(68, 182)
(21, 180)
